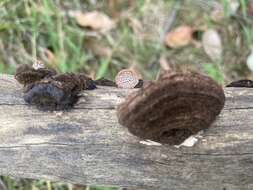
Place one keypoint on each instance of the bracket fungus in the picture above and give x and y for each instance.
(50, 91)
(59, 92)
(27, 74)
(105, 82)
(241, 83)
(172, 108)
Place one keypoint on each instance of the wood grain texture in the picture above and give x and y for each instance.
(88, 146)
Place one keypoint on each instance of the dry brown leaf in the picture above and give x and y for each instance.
(50, 56)
(212, 44)
(47, 55)
(179, 37)
(164, 64)
(250, 60)
(94, 20)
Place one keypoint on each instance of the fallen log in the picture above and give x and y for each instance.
(87, 145)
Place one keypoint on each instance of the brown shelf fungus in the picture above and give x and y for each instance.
(172, 108)
(26, 74)
(59, 92)
(241, 83)
(50, 91)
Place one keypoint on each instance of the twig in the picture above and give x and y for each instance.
(168, 25)
(171, 19)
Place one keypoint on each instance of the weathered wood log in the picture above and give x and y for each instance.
(87, 145)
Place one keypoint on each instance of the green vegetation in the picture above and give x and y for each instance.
(31, 30)
(27, 184)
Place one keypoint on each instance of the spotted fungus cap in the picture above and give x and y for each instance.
(127, 78)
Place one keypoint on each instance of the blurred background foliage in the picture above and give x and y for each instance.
(49, 30)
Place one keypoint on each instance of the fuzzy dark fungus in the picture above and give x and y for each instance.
(59, 92)
(139, 84)
(48, 90)
(105, 82)
(173, 108)
(241, 83)
(49, 97)
(26, 74)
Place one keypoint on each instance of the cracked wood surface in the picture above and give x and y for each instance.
(88, 146)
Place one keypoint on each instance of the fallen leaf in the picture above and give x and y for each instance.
(94, 20)
(250, 61)
(50, 56)
(164, 64)
(211, 42)
(179, 37)
(47, 55)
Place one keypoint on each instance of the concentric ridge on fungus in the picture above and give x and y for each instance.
(172, 108)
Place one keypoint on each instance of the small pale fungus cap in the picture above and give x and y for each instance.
(127, 78)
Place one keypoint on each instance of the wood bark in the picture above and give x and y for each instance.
(87, 145)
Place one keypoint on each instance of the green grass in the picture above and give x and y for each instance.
(27, 184)
(213, 71)
(36, 25)
(31, 26)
